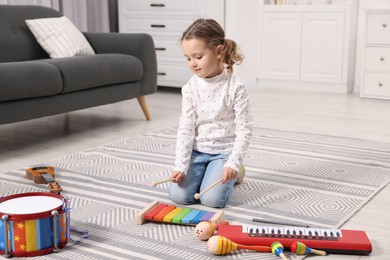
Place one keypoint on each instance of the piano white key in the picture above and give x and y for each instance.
(340, 234)
(284, 230)
(268, 230)
(303, 231)
(324, 232)
(292, 230)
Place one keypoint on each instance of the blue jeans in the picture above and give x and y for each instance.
(204, 170)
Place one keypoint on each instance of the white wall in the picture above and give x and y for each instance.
(49, 3)
(87, 15)
(241, 25)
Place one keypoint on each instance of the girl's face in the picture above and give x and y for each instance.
(204, 62)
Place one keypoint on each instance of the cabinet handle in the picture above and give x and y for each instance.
(161, 73)
(380, 84)
(160, 49)
(157, 25)
(157, 5)
(384, 25)
(381, 58)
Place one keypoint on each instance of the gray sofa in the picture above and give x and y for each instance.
(32, 85)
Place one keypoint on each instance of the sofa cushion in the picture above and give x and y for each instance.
(85, 72)
(59, 37)
(28, 79)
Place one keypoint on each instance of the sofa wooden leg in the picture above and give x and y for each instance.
(144, 106)
(66, 122)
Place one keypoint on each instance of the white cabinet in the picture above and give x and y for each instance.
(376, 55)
(165, 21)
(306, 47)
(280, 46)
(322, 47)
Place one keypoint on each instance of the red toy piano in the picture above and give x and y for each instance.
(330, 240)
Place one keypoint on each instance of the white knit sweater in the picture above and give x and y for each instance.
(215, 119)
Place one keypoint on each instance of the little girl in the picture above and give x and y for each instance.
(215, 124)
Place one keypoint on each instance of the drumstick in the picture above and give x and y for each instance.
(197, 195)
(155, 183)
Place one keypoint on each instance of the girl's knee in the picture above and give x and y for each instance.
(181, 200)
(213, 201)
(179, 196)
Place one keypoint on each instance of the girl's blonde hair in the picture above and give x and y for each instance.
(213, 35)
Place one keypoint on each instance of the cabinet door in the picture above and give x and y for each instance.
(322, 47)
(280, 46)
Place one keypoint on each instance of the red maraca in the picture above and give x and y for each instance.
(219, 245)
(301, 249)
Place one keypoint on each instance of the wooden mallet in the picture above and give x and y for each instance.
(197, 195)
(155, 183)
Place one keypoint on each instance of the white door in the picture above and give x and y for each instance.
(322, 47)
(280, 41)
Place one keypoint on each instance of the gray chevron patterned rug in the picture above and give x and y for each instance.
(316, 180)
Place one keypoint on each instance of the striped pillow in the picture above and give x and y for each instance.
(59, 37)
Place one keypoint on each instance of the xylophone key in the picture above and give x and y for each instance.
(168, 217)
(155, 211)
(208, 216)
(178, 218)
(160, 216)
(198, 217)
(187, 218)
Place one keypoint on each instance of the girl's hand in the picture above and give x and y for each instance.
(228, 174)
(177, 176)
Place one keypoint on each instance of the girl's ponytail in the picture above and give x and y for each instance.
(231, 55)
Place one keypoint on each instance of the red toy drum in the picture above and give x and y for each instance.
(33, 224)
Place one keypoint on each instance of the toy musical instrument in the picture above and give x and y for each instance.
(299, 248)
(204, 230)
(155, 183)
(330, 240)
(219, 245)
(277, 249)
(160, 212)
(44, 174)
(33, 224)
(197, 195)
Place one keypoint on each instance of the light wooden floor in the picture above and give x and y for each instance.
(26, 143)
